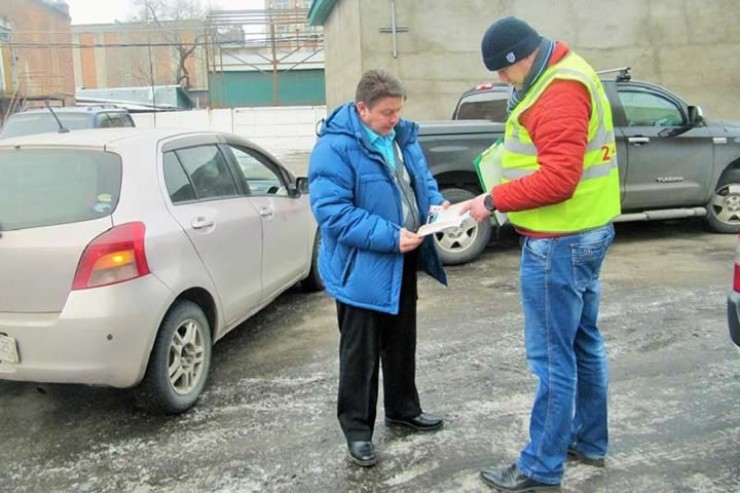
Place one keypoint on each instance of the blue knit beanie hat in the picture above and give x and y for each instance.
(507, 41)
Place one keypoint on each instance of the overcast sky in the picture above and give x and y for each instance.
(104, 11)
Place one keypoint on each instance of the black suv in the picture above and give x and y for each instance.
(36, 121)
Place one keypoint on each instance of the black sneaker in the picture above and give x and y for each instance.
(511, 479)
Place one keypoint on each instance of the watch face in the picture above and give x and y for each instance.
(488, 202)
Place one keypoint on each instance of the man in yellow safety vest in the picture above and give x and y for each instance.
(560, 189)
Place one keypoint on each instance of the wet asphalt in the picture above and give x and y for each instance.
(266, 421)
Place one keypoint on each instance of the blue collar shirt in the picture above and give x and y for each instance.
(386, 146)
(383, 144)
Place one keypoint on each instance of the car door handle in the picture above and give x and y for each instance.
(202, 223)
(638, 141)
(266, 212)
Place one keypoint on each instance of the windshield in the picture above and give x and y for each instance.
(56, 186)
(37, 123)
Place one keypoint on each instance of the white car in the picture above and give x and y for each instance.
(733, 299)
(125, 253)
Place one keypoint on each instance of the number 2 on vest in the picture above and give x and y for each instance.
(607, 154)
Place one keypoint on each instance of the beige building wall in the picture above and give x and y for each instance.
(685, 45)
(346, 51)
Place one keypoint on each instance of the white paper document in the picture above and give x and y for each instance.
(442, 219)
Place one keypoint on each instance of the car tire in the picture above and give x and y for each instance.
(313, 281)
(462, 245)
(183, 345)
(723, 212)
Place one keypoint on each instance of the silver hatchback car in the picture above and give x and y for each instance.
(733, 298)
(125, 253)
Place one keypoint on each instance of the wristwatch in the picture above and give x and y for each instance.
(488, 202)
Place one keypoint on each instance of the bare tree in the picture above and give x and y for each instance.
(177, 23)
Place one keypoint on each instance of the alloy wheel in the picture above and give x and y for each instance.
(186, 357)
(726, 204)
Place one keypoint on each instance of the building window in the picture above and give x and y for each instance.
(281, 4)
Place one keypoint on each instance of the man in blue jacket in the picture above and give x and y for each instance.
(370, 191)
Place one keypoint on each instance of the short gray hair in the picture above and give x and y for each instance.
(378, 84)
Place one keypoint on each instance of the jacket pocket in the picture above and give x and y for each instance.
(349, 266)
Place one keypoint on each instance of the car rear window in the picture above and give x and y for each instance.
(483, 106)
(53, 186)
(38, 123)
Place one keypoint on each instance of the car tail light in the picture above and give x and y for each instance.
(115, 256)
(736, 272)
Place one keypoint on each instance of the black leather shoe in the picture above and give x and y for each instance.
(576, 456)
(362, 453)
(511, 479)
(422, 422)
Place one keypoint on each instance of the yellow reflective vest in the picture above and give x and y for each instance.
(596, 198)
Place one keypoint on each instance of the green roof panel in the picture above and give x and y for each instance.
(319, 11)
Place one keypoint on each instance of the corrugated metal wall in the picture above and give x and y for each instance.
(294, 88)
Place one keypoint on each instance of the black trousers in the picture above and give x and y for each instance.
(367, 338)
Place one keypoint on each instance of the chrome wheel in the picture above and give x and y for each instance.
(186, 357)
(460, 245)
(456, 240)
(723, 210)
(726, 205)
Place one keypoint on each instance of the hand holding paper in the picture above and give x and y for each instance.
(408, 240)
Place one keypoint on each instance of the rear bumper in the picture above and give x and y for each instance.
(733, 316)
(102, 336)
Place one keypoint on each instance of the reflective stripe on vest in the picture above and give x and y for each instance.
(595, 171)
(596, 198)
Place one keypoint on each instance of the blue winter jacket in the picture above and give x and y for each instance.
(358, 208)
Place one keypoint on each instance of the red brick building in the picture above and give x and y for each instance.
(35, 53)
(136, 54)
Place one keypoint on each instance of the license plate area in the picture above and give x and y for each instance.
(8, 350)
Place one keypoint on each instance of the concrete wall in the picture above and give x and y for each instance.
(279, 130)
(685, 45)
(344, 54)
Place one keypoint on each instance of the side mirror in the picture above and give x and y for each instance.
(696, 118)
(696, 115)
(301, 184)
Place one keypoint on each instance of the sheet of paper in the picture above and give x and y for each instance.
(443, 219)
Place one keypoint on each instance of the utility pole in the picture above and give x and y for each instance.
(275, 80)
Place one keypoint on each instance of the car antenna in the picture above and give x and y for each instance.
(62, 128)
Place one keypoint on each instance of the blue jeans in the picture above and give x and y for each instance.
(560, 293)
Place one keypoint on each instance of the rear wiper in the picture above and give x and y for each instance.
(62, 128)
